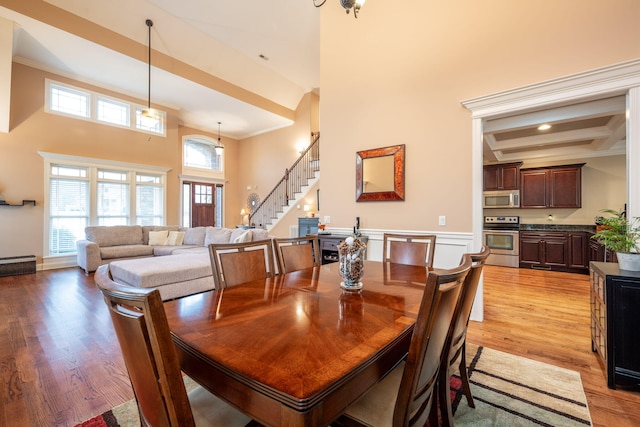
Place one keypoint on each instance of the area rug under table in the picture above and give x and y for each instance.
(515, 391)
(508, 390)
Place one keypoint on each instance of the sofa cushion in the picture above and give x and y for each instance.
(259, 234)
(125, 251)
(194, 236)
(175, 238)
(158, 237)
(154, 272)
(217, 235)
(235, 233)
(171, 249)
(114, 235)
(190, 250)
(243, 237)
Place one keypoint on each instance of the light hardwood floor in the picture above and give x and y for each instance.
(60, 363)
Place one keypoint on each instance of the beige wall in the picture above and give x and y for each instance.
(33, 130)
(265, 157)
(397, 76)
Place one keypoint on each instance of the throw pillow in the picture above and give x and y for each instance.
(158, 238)
(244, 237)
(175, 238)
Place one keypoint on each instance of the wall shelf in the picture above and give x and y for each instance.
(24, 202)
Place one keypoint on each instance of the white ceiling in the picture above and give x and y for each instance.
(224, 38)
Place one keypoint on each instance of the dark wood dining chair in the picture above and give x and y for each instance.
(152, 362)
(296, 253)
(413, 249)
(235, 263)
(407, 395)
(455, 347)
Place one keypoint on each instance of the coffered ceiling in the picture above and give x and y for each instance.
(589, 129)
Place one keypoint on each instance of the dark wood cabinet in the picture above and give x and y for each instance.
(307, 226)
(598, 253)
(505, 176)
(329, 246)
(543, 250)
(554, 250)
(552, 187)
(615, 303)
(578, 250)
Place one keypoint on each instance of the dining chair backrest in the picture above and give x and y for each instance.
(235, 263)
(296, 253)
(454, 352)
(149, 354)
(417, 390)
(413, 249)
(463, 311)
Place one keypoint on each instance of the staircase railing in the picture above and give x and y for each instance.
(295, 177)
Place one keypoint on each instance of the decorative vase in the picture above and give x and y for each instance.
(351, 263)
(628, 261)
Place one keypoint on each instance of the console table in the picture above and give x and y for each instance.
(615, 304)
(329, 246)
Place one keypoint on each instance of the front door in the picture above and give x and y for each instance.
(203, 206)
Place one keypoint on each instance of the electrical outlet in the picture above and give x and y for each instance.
(327, 219)
(442, 220)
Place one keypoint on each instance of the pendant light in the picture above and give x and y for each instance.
(219, 147)
(149, 113)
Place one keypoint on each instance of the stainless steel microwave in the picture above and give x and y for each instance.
(501, 199)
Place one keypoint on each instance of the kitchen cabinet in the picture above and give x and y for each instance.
(615, 302)
(554, 250)
(552, 187)
(504, 176)
(598, 253)
(307, 226)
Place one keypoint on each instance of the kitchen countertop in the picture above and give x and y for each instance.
(557, 227)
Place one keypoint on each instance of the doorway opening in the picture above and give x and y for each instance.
(201, 204)
(611, 81)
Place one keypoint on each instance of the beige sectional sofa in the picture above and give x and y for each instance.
(172, 259)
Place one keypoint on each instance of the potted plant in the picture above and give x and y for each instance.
(621, 235)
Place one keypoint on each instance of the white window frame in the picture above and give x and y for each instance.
(93, 108)
(203, 172)
(94, 164)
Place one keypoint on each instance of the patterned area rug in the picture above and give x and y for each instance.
(508, 391)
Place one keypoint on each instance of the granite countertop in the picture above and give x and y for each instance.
(557, 227)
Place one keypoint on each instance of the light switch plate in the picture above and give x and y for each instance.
(327, 219)
(442, 220)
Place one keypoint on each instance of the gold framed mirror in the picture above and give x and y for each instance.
(380, 174)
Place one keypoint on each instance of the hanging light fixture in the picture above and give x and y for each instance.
(347, 4)
(219, 147)
(149, 113)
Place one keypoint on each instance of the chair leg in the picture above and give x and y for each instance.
(444, 394)
(464, 376)
(433, 412)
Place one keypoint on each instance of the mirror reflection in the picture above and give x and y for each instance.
(380, 174)
(377, 174)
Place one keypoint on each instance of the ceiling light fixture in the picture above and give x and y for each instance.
(149, 112)
(347, 4)
(544, 127)
(219, 147)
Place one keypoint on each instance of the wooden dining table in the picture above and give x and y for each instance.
(297, 349)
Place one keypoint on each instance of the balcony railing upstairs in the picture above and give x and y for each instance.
(295, 178)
